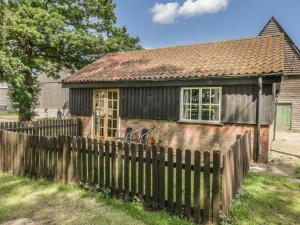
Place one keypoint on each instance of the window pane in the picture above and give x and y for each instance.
(205, 96)
(186, 112)
(186, 96)
(195, 112)
(109, 95)
(205, 112)
(115, 104)
(101, 104)
(195, 96)
(215, 96)
(115, 122)
(115, 113)
(214, 113)
(115, 95)
(102, 94)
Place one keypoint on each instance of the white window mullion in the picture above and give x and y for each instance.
(199, 104)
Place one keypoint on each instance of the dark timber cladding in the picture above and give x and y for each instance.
(150, 103)
(81, 101)
(239, 103)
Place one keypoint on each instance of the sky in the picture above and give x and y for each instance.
(163, 23)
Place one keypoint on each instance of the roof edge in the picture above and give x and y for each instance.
(245, 76)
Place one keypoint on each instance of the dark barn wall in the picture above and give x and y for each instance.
(81, 101)
(239, 103)
(160, 103)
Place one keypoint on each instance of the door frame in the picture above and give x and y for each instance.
(105, 126)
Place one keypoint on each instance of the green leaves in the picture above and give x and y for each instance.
(42, 36)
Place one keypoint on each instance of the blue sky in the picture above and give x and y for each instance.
(221, 20)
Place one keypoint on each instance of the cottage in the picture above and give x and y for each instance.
(194, 97)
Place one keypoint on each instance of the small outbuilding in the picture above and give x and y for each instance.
(197, 96)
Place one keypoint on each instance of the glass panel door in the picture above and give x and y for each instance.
(106, 113)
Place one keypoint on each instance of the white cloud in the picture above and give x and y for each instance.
(164, 13)
(168, 12)
(199, 7)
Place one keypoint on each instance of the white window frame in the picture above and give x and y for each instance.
(200, 105)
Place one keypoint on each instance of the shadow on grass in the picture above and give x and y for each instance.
(49, 203)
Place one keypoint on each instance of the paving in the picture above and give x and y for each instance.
(284, 153)
(286, 143)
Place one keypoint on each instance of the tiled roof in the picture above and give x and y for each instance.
(244, 57)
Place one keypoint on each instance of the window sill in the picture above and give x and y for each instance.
(201, 122)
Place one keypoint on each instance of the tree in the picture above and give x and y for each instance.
(46, 36)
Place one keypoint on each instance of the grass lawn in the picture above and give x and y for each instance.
(49, 203)
(263, 200)
(267, 200)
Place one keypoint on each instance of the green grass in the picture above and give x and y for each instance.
(49, 203)
(297, 168)
(266, 200)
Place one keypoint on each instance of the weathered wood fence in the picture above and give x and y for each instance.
(236, 164)
(188, 184)
(52, 128)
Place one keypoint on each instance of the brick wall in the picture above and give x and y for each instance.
(198, 136)
(190, 135)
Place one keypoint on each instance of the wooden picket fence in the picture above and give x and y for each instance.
(52, 128)
(186, 182)
(236, 164)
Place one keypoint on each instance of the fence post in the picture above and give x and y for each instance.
(1, 149)
(178, 181)
(216, 186)
(161, 178)
(79, 127)
(206, 191)
(35, 128)
(187, 189)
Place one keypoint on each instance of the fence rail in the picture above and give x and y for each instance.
(45, 127)
(188, 184)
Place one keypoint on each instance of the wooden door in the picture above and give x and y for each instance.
(283, 116)
(105, 113)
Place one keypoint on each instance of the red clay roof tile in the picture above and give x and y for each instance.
(244, 57)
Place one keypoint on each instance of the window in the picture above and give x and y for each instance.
(201, 104)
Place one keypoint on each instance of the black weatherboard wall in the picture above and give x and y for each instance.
(239, 103)
(81, 101)
(160, 103)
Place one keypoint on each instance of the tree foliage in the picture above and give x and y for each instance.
(46, 36)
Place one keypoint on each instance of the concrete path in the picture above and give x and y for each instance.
(284, 155)
(286, 143)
